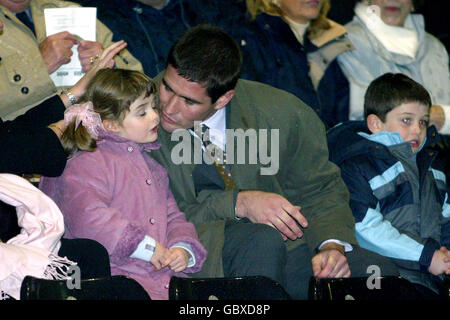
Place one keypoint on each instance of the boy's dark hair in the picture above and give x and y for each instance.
(209, 56)
(391, 90)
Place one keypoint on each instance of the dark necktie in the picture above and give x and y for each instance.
(22, 16)
(218, 157)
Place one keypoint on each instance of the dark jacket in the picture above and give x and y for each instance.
(399, 199)
(273, 55)
(150, 33)
(28, 147)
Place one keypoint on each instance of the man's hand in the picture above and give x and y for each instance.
(56, 50)
(106, 60)
(331, 262)
(88, 52)
(273, 210)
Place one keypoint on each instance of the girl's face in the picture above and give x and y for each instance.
(301, 11)
(141, 122)
(394, 12)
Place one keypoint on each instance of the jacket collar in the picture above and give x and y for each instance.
(105, 136)
(350, 139)
(279, 27)
(414, 22)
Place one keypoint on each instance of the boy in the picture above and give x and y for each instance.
(398, 196)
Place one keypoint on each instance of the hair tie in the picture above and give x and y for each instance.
(84, 113)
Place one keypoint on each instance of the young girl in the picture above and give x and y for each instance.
(113, 192)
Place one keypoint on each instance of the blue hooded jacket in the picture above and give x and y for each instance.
(399, 199)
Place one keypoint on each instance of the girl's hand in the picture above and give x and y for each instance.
(159, 256)
(177, 259)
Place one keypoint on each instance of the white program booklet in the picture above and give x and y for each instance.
(80, 22)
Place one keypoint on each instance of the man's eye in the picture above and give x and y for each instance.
(406, 120)
(167, 87)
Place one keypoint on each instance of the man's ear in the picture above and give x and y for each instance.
(224, 99)
(374, 123)
(111, 125)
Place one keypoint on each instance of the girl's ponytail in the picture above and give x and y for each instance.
(83, 125)
(79, 139)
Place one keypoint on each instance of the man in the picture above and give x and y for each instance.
(28, 56)
(243, 224)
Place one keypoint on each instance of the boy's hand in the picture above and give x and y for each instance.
(159, 256)
(440, 263)
(177, 259)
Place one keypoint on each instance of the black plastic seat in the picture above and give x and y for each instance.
(111, 288)
(239, 288)
(388, 288)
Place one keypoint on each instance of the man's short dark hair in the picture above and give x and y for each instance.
(209, 56)
(391, 90)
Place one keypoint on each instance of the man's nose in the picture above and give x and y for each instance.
(171, 105)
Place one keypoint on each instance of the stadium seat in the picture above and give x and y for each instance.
(113, 288)
(239, 288)
(362, 288)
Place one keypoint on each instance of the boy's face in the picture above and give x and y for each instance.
(410, 120)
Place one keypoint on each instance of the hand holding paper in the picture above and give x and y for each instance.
(87, 51)
(56, 50)
(106, 60)
(81, 24)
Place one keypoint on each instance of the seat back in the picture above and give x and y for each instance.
(239, 288)
(362, 288)
(111, 288)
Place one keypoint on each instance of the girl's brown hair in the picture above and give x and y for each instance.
(316, 28)
(111, 92)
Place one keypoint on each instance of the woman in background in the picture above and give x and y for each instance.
(388, 37)
(291, 45)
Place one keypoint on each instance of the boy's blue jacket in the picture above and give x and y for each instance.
(399, 200)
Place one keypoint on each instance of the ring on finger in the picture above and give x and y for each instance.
(93, 58)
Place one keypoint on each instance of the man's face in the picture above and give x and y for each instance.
(15, 5)
(182, 102)
(157, 4)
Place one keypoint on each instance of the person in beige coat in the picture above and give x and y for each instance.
(27, 57)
